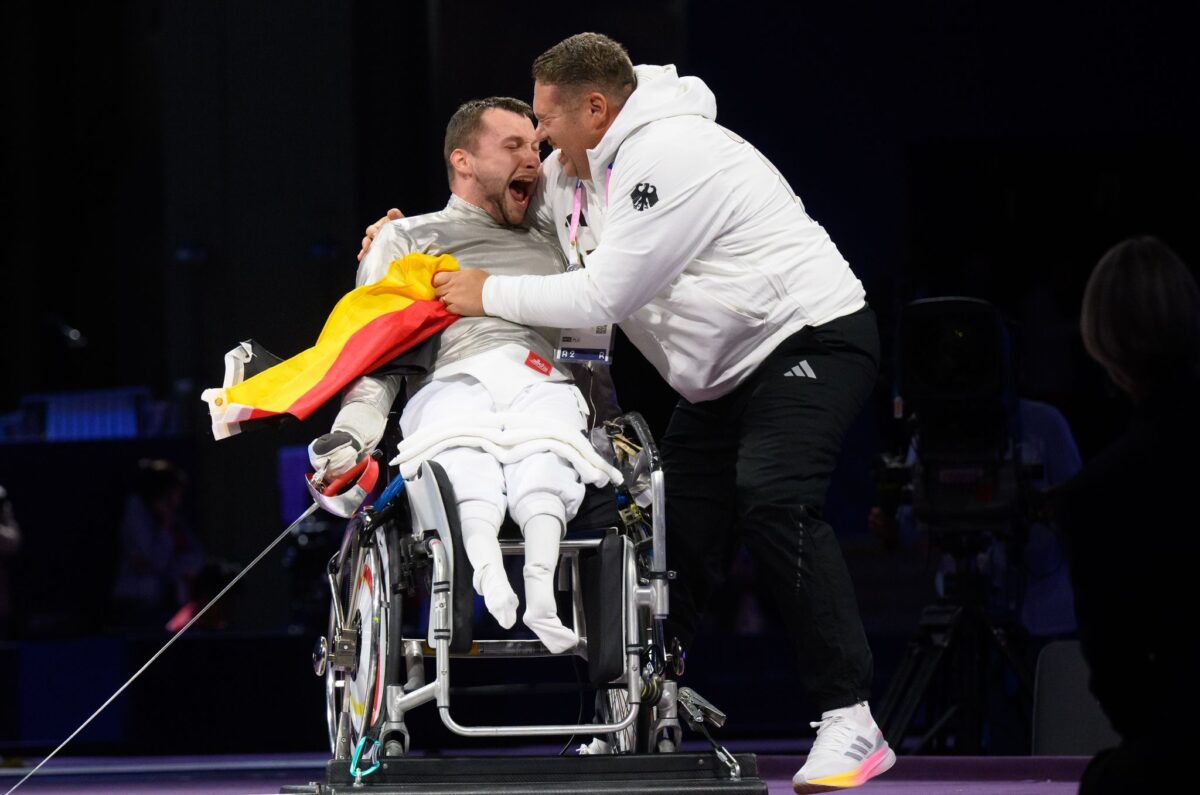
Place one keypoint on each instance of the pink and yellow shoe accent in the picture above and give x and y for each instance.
(880, 761)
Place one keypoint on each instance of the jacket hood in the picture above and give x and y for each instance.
(660, 94)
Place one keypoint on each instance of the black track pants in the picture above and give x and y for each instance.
(753, 468)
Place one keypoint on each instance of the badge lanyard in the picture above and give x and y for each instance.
(586, 343)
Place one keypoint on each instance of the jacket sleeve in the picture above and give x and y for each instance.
(666, 205)
(365, 408)
(368, 399)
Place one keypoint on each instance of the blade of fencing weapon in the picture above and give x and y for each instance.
(167, 645)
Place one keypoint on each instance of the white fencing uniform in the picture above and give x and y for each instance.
(530, 455)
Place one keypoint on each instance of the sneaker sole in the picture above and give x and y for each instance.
(879, 762)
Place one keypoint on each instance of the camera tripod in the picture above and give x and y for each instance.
(945, 666)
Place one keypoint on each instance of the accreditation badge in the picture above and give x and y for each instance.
(586, 344)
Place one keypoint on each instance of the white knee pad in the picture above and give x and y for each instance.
(538, 503)
(543, 483)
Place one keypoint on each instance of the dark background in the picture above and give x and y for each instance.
(179, 176)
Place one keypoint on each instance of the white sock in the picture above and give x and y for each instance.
(490, 580)
(542, 534)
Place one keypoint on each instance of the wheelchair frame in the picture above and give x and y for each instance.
(366, 697)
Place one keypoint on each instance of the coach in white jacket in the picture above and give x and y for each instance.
(696, 245)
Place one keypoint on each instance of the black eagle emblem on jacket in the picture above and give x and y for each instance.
(643, 196)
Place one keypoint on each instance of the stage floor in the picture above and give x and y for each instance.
(252, 775)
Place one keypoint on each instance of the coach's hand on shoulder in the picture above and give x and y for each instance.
(372, 230)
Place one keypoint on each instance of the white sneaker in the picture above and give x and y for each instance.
(849, 751)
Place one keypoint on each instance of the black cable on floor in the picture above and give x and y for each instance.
(579, 683)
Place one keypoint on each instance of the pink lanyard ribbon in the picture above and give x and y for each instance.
(577, 206)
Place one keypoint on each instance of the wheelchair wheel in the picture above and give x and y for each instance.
(356, 685)
(613, 705)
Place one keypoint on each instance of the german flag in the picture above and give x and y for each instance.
(368, 328)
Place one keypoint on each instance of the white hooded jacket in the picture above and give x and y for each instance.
(702, 251)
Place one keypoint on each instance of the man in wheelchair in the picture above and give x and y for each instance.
(508, 427)
(488, 415)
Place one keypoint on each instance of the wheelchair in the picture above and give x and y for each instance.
(612, 563)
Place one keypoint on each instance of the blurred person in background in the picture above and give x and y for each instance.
(10, 542)
(1130, 545)
(160, 553)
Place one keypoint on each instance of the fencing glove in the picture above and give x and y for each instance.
(334, 453)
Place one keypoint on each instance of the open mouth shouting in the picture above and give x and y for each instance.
(520, 189)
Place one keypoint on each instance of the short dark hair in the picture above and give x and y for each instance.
(1141, 316)
(588, 61)
(464, 125)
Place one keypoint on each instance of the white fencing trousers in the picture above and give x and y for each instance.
(540, 484)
